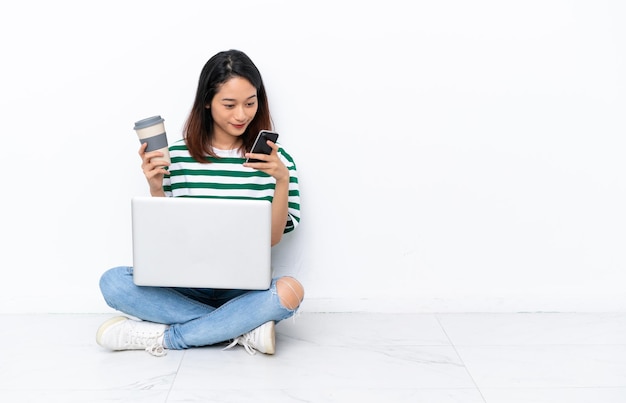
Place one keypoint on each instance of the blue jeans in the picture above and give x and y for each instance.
(197, 316)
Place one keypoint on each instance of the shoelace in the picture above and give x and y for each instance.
(150, 340)
(244, 341)
(156, 350)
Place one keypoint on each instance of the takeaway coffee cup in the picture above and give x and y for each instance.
(152, 131)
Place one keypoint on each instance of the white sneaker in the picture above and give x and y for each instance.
(261, 339)
(122, 333)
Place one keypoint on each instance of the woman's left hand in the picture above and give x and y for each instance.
(270, 164)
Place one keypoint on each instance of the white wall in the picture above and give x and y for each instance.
(453, 155)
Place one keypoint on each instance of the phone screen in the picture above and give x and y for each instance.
(260, 144)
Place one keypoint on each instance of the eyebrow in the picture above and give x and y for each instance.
(234, 100)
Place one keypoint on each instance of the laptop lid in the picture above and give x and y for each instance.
(201, 242)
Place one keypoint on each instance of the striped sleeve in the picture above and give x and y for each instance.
(293, 218)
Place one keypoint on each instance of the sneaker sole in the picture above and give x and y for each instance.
(271, 346)
(103, 327)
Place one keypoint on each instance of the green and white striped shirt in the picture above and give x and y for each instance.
(226, 177)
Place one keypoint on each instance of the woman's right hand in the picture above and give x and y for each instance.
(153, 170)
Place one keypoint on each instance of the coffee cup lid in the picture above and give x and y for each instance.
(143, 123)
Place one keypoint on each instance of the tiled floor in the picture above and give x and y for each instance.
(353, 357)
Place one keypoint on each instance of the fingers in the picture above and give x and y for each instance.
(152, 164)
(265, 157)
(273, 145)
(147, 157)
(270, 164)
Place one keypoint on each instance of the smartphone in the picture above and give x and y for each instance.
(260, 144)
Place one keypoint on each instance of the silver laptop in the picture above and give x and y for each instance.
(201, 243)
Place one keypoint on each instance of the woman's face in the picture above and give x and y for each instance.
(233, 107)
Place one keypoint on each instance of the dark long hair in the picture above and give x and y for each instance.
(198, 129)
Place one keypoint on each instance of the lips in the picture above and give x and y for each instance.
(239, 126)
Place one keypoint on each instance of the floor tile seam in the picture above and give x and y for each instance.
(461, 359)
(178, 367)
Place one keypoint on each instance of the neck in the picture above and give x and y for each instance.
(226, 144)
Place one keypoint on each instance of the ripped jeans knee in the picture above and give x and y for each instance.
(290, 292)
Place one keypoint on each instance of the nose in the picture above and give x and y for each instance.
(240, 114)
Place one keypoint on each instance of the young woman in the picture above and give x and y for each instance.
(229, 110)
